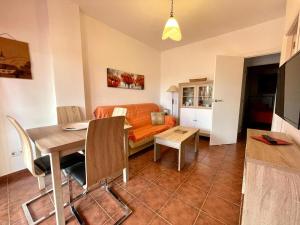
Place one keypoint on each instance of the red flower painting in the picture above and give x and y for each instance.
(120, 79)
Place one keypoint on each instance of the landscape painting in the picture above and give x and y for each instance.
(14, 59)
(121, 79)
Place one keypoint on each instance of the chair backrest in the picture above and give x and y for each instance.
(69, 114)
(118, 111)
(26, 145)
(104, 149)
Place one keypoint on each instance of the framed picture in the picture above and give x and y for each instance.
(14, 59)
(121, 79)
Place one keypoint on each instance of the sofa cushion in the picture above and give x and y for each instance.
(157, 118)
(146, 131)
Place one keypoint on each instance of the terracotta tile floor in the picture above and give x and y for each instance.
(206, 192)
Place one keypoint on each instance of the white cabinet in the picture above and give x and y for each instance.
(198, 118)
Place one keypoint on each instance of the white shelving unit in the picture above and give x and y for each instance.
(196, 105)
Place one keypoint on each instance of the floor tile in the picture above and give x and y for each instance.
(156, 191)
(178, 212)
(191, 195)
(159, 221)
(204, 219)
(202, 182)
(151, 172)
(136, 185)
(222, 210)
(141, 214)
(169, 183)
(154, 197)
(106, 201)
(93, 215)
(230, 180)
(226, 192)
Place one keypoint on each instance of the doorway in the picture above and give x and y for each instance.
(258, 92)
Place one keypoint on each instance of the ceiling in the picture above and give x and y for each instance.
(198, 19)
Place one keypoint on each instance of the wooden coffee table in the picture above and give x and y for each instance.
(176, 138)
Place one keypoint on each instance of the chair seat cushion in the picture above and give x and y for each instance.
(77, 171)
(43, 163)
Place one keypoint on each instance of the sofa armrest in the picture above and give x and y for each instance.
(170, 121)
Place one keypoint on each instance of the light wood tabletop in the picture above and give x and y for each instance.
(280, 156)
(53, 138)
(57, 142)
(271, 181)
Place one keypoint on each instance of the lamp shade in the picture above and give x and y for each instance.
(172, 88)
(172, 30)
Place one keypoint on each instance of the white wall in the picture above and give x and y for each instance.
(31, 102)
(105, 47)
(66, 52)
(198, 59)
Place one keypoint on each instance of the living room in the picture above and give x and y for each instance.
(74, 46)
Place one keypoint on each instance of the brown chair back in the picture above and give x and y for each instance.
(69, 114)
(104, 149)
(26, 147)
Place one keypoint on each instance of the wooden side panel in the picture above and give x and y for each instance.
(104, 149)
(69, 114)
(272, 196)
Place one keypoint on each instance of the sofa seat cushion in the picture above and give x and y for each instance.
(146, 131)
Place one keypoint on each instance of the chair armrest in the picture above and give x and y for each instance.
(170, 121)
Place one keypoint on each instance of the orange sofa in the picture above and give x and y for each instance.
(139, 117)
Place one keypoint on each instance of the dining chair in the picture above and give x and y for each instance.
(104, 158)
(39, 167)
(69, 114)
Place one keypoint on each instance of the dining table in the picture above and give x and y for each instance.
(58, 142)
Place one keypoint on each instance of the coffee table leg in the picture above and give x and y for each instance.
(196, 142)
(156, 152)
(181, 157)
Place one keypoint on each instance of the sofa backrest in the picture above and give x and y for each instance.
(138, 115)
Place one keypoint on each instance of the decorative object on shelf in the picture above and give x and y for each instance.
(14, 58)
(121, 79)
(173, 89)
(198, 80)
(172, 29)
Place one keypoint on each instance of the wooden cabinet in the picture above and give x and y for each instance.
(195, 101)
(271, 182)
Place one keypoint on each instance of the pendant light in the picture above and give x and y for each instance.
(172, 29)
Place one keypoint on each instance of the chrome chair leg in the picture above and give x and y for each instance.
(119, 200)
(72, 201)
(25, 207)
(109, 190)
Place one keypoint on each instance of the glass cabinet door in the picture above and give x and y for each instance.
(188, 96)
(205, 96)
